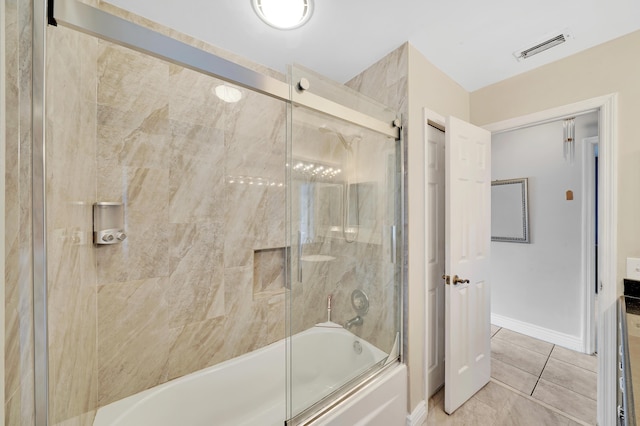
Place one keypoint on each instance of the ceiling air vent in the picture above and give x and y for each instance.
(541, 47)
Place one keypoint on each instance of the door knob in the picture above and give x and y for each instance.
(458, 280)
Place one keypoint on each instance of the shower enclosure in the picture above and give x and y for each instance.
(344, 210)
(253, 207)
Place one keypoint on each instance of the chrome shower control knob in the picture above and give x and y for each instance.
(360, 301)
(107, 238)
(121, 236)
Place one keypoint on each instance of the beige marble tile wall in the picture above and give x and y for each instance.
(200, 278)
(19, 378)
(363, 263)
(386, 82)
(71, 190)
(197, 281)
(203, 184)
(181, 294)
(356, 266)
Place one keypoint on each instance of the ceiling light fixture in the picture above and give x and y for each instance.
(228, 93)
(284, 14)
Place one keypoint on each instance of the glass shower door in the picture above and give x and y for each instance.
(345, 278)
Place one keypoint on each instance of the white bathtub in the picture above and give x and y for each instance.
(250, 389)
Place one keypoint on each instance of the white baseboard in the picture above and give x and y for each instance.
(418, 416)
(561, 339)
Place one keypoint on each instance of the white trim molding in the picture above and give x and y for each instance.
(553, 114)
(418, 416)
(609, 286)
(428, 116)
(588, 255)
(561, 339)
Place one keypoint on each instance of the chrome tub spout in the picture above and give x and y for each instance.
(353, 321)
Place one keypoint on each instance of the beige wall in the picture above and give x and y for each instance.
(407, 81)
(604, 69)
(601, 70)
(432, 89)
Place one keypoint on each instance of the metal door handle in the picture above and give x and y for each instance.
(456, 280)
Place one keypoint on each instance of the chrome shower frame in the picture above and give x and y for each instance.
(95, 22)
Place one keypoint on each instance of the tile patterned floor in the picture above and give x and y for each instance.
(532, 383)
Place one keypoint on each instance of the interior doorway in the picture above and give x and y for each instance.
(607, 226)
(608, 290)
(544, 288)
(456, 232)
(579, 172)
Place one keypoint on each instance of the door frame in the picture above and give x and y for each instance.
(609, 287)
(427, 116)
(588, 244)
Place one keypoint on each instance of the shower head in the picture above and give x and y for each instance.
(346, 141)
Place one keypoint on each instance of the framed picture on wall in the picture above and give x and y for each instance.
(510, 210)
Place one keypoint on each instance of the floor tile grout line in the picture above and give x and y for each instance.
(560, 384)
(531, 397)
(542, 371)
(523, 347)
(567, 389)
(514, 366)
(574, 365)
(505, 339)
(539, 402)
(517, 367)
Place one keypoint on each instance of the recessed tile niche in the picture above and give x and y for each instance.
(268, 272)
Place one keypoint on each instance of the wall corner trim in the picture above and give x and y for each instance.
(418, 416)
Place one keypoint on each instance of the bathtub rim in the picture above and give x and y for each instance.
(112, 412)
(116, 410)
(362, 382)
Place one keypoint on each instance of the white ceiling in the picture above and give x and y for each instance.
(471, 41)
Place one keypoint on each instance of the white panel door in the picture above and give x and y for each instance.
(468, 238)
(435, 258)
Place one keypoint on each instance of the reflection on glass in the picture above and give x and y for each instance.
(341, 223)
